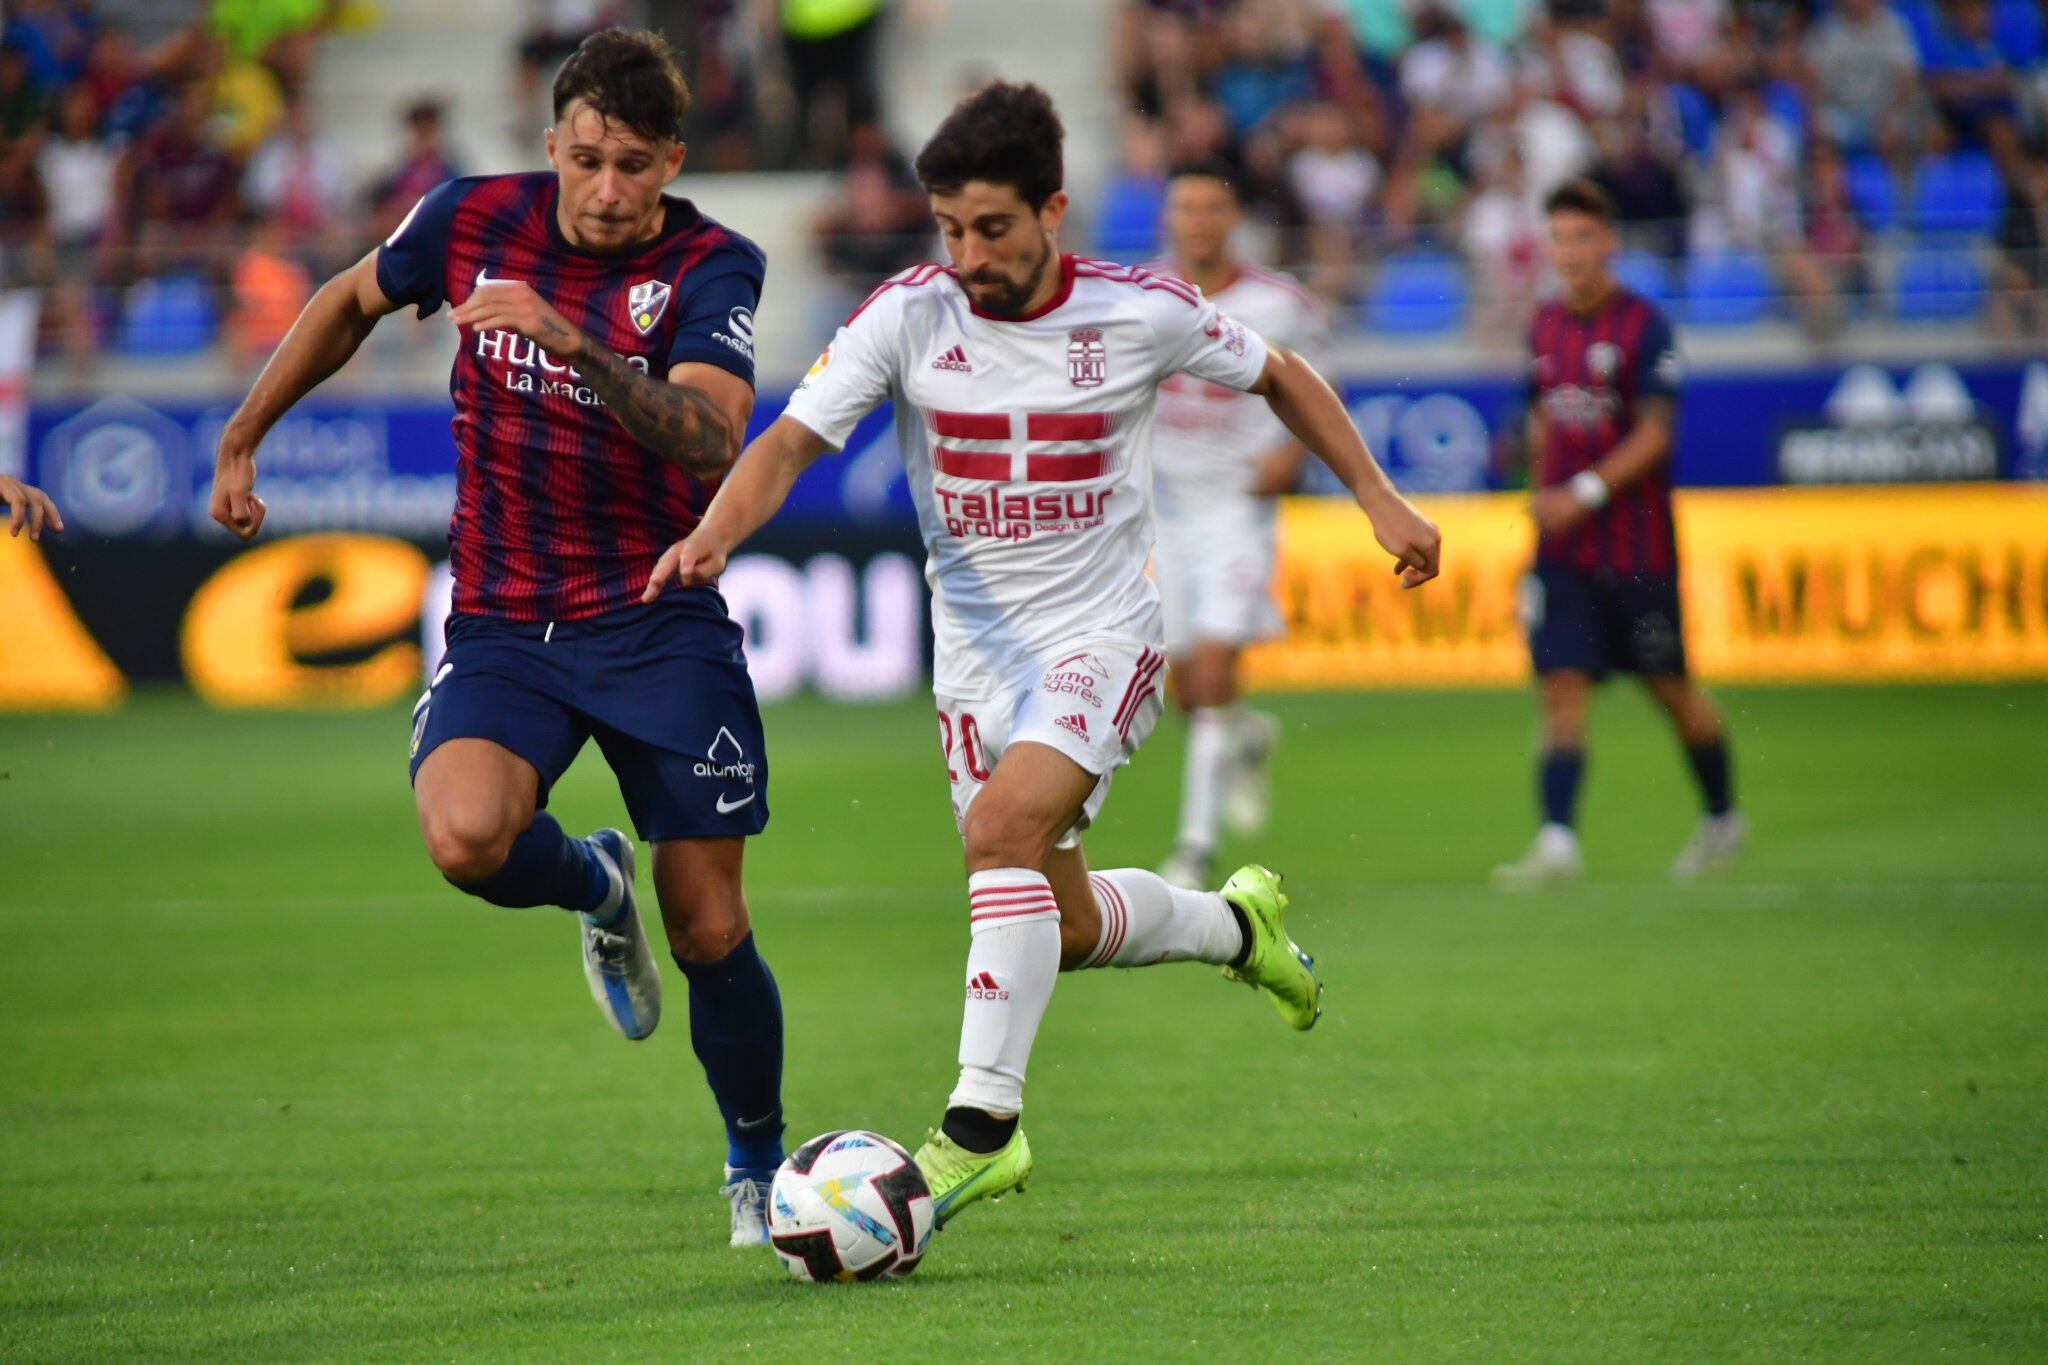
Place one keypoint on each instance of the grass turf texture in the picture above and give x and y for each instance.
(268, 1089)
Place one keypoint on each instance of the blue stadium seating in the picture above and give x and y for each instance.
(1127, 221)
(1696, 117)
(1416, 294)
(1645, 272)
(2018, 31)
(1873, 192)
(1938, 285)
(1923, 20)
(166, 317)
(1958, 192)
(1728, 289)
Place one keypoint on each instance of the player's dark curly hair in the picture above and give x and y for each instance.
(1580, 196)
(1004, 133)
(1210, 169)
(628, 75)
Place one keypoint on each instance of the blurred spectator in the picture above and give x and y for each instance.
(1752, 200)
(1644, 179)
(299, 180)
(424, 163)
(181, 191)
(53, 35)
(2019, 298)
(1687, 38)
(833, 49)
(1501, 235)
(1268, 65)
(1866, 79)
(553, 28)
(1826, 267)
(267, 288)
(880, 222)
(1332, 180)
(77, 168)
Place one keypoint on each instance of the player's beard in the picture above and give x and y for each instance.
(1005, 299)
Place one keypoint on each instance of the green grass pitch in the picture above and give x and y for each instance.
(269, 1090)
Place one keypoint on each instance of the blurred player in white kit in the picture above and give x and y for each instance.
(1024, 382)
(1219, 459)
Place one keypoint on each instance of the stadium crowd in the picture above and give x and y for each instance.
(1851, 153)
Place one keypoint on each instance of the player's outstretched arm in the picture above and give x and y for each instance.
(756, 488)
(693, 417)
(332, 326)
(28, 506)
(1310, 408)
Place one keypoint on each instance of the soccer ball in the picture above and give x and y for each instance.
(849, 1206)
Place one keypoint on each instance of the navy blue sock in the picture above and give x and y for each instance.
(1710, 765)
(736, 1030)
(1558, 785)
(545, 867)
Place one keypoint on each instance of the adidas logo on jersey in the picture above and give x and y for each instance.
(954, 359)
(982, 986)
(1075, 725)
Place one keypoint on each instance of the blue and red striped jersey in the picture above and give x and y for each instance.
(559, 513)
(1589, 374)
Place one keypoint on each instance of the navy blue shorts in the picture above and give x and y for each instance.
(662, 688)
(1602, 622)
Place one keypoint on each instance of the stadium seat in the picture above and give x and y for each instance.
(1728, 289)
(1696, 117)
(1786, 104)
(1415, 294)
(166, 317)
(1922, 19)
(1873, 192)
(1959, 192)
(1938, 285)
(2018, 32)
(1645, 272)
(1127, 225)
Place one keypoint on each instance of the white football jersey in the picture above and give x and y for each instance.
(1211, 438)
(1028, 443)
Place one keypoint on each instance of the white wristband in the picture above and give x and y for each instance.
(1590, 489)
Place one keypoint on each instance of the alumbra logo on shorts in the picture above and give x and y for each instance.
(726, 759)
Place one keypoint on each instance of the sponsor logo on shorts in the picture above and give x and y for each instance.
(727, 759)
(1078, 676)
(982, 986)
(1074, 725)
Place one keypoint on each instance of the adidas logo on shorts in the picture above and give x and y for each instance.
(1076, 725)
(954, 359)
(982, 986)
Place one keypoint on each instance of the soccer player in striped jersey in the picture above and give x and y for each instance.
(1024, 382)
(1603, 388)
(1220, 458)
(602, 381)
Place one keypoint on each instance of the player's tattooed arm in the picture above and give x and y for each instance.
(678, 421)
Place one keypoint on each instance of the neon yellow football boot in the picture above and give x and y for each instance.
(958, 1177)
(1275, 965)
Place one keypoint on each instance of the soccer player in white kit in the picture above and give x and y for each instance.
(1220, 458)
(1023, 382)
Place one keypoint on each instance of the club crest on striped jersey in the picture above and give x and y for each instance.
(644, 302)
(1087, 358)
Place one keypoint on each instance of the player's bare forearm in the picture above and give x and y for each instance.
(1304, 401)
(678, 422)
(751, 494)
(1647, 445)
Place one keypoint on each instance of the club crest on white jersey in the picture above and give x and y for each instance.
(1087, 358)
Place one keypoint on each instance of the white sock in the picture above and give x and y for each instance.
(1212, 747)
(1013, 959)
(1146, 920)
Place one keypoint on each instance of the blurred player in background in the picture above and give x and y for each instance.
(602, 384)
(1220, 458)
(1604, 382)
(28, 507)
(1024, 382)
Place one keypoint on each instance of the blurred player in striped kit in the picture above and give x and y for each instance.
(1220, 457)
(1603, 401)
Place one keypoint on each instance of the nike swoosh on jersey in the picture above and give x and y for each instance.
(728, 809)
(483, 277)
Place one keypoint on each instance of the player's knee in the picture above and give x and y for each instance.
(704, 923)
(999, 835)
(467, 844)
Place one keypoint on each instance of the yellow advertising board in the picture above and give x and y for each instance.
(1780, 585)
